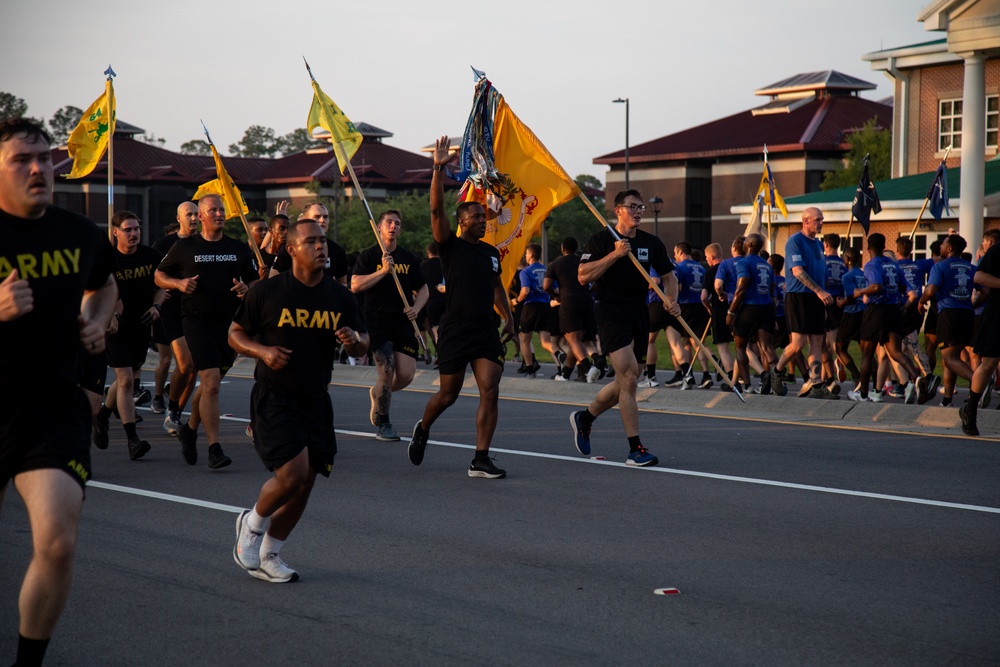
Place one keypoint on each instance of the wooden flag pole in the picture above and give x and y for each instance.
(659, 292)
(926, 200)
(111, 160)
(701, 344)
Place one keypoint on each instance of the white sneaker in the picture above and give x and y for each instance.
(593, 374)
(246, 551)
(856, 396)
(648, 382)
(273, 569)
(170, 425)
(560, 378)
(910, 393)
(876, 396)
(688, 383)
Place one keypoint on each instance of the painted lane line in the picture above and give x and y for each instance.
(166, 496)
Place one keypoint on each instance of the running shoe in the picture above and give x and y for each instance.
(418, 442)
(484, 468)
(933, 382)
(649, 382)
(581, 434)
(909, 393)
(946, 402)
(855, 395)
(898, 391)
(968, 421)
(137, 448)
(984, 402)
(765, 383)
(593, 374)
(641, 457)
(246, 551)
(100, 433)
(560, 359)
(216, 457)
(274, 570)
(386, 433)
(833, 387)
(158, 406)
(819, 391)
(171, 423)
(676, 381)
(876, 396)
(777, 382)
(923, 393)
(688, 383)
(807, 386)
(141, 395)
(189, 443)
(706, 381)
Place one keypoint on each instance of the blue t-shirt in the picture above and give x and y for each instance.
(690, 281)
(835, 270)
(883, 271)
(531, 277)
(779, 294)
(953, 278)
(854, 279)
(800, 250)
(761, 275)
(727, 274)
(916, 271)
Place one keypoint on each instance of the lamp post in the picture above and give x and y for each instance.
(657, 205)
(625, 101)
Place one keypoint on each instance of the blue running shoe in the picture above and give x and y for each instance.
(581, 435)
(641, 457)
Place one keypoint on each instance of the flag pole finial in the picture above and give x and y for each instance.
(110, 73)
(478, 74)
(308, 69)
(206, 131)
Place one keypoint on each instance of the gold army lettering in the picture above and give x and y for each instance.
(309, 319)
(50, 263)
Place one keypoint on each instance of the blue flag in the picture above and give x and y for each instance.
(865, 200)
(938, 192)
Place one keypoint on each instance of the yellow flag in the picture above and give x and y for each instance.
(768, 188)
(326, 114)
(225, 188)
(90, 137)
(537, 184)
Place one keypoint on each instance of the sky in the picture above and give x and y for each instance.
(403, 65)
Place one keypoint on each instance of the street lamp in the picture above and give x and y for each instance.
(619, 101)
(657, 205)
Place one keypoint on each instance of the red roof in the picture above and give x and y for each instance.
(820, 124)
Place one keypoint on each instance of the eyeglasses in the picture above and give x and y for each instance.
(635, 208)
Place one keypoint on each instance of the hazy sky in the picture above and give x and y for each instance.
(403, 65)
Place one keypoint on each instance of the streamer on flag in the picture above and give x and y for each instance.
(325, 113)
(223, 186)
(938, 192)
(754, 225)
(866, 200)
(511, 173)
(772, 198)
(89, 139)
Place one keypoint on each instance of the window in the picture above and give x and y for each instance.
(950, 123)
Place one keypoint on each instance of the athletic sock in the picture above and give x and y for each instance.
(584, 365)
(482, 455)
(634, 444)
(30, 652)
(567, 371)
(174, 406)
(269, 545)
(130, 433)
(684, 369)
(157, 397)
(104, 414)
(651, 370)
(587, 418)
(256, 522)
(972, 405)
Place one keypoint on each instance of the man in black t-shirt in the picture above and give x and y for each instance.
(468, 333)
(292, 324)
(213, 272)
(986, 278)
(57, 293)
(128, 343)
(394, 344)
(336, 262)
(622, 316)
(576, 312)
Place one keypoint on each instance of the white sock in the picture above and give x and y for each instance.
(256, 522)
(269, 545)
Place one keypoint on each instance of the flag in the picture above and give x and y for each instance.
(91, 136)
(865, 200)
(938, 192)
(771, 195)
(753, 226)
(225, 188)
(514, 177)
(326, 114)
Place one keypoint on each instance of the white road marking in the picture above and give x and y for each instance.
(165, 496)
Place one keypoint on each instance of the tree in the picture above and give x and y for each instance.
(63, 123)
(12, 106)
(195, 147)
(574, 218)
(870, 140)
(297, 141)
(151, 139)
(257, 141)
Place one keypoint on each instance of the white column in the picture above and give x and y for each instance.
(970, 213)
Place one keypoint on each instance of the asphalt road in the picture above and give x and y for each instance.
(788, 545)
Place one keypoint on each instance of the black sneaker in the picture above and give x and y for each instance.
(676, 381)
(765, 383)
(418, 443)
(968, 421)
(158, 407)
(100, 434)
(189, 444)
(485, 468)
(137, 449)
(581, 433)
(984, 402)
(217, 458)
(706, 381)
(141, 396)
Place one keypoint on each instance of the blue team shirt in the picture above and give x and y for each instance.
(883, 271)
(690, 281)
(854, 279)
(953, 278)
(727, 274)
(800, 250)
(835, 270)
(779, 293)
(761, 276)
(531, 277)
(916, 271)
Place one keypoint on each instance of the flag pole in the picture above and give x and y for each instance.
(770, 203)
(659, 293)
(926, 200)
(110, 73)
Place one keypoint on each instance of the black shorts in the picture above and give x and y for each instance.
(209, 344)
(696, 316)
(988, 337)
(721, 333)
(92, 372)
(881, 320)
(623, 325)
(460, 342)
(577, 314)
(931, 323)
(128, 347)
(172, 323)
(434, 310)
(395, 329)
(554, 329)
(54, 433)
(159, 335)
(955, 327)
(911, 319)
(781, 327)
(535, 317)
(850, 327)
(834, 314)
(806, 313)
(660, 319)
(283, 426)
(753, 318)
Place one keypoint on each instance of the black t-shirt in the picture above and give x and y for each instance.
(470, 272)
(383, 295)
(336, 260)
(217, 264)
(61, 255)
(564, 270)
(172, 305)
(622, 282)
(434, 274)
(990, 263)
(136, 284)
(282, 311)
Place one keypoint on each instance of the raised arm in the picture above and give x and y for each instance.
(440, 227)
